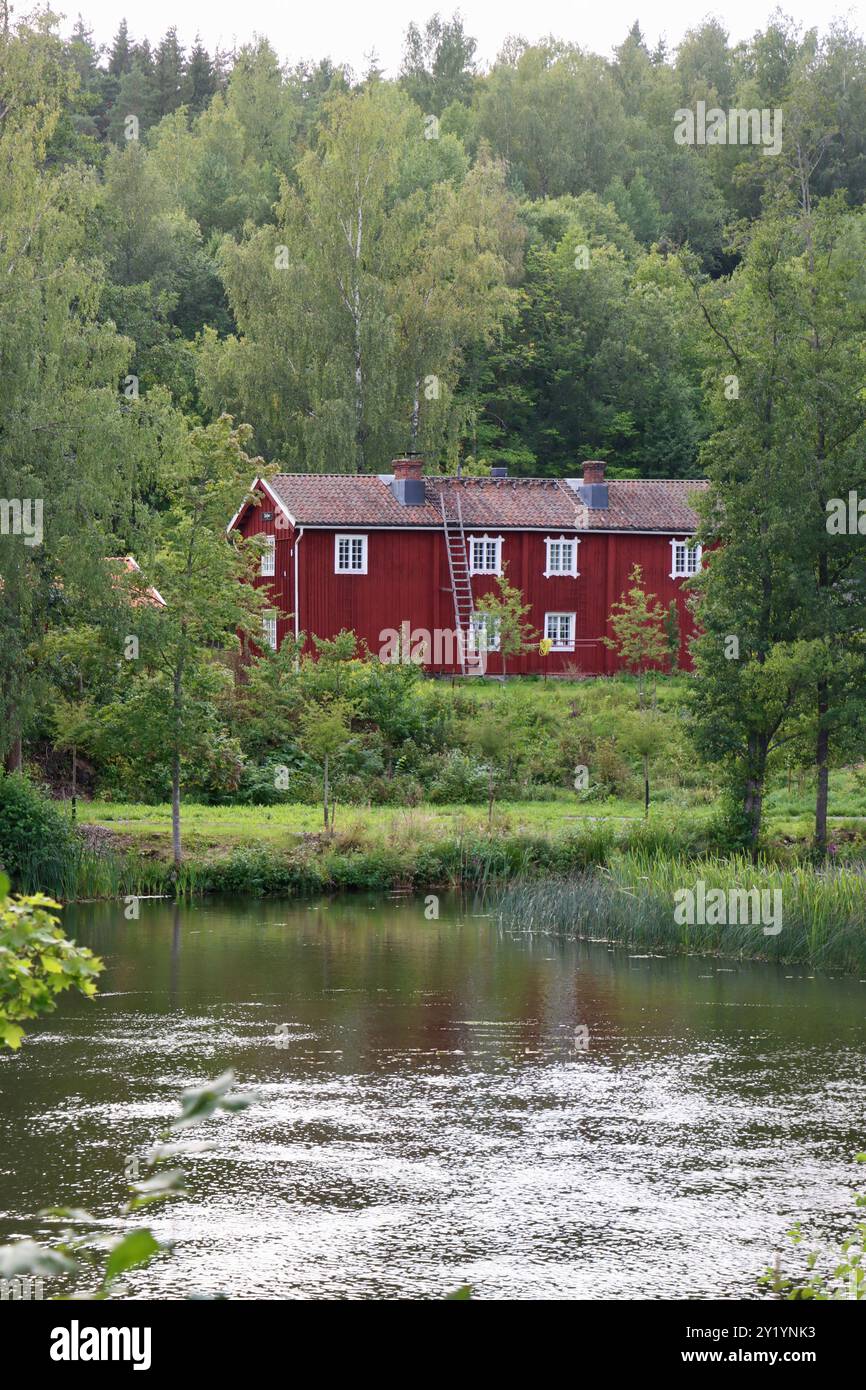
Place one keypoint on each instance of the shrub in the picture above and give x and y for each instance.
(460, 780)
(37, 962)
(37, 841)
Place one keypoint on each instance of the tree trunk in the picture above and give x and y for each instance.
(175, 811)
(416, 413)
(325, 792)
(175, 768)
(753, 798)
(74, 780)
(14, 760)
(822, 764)
(645, 785)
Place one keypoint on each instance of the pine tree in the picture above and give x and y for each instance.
(168, 74)
(120, 56)
(200, 81)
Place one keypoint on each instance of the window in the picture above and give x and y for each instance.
(561, 556)
(483, 633)
(559, 628)
(350, 555)
(685, 559)
(269, 630)
(485, 554)
(269, 555)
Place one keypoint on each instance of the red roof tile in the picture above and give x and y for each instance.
(639, 504)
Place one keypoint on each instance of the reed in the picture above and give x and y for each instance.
(631, 900)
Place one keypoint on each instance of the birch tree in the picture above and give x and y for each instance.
(388, 259)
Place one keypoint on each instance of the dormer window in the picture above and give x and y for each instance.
(561, 556)
(685, 559)
(269, 556)
(350, 554)
(485, 555)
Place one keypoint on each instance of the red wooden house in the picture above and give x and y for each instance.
(410, 554)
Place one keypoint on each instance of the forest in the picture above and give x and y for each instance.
(215, 264)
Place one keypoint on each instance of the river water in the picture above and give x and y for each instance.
(440, 1103)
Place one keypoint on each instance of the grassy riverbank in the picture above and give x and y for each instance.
(816, 919)
(265, 850)
(544, 866)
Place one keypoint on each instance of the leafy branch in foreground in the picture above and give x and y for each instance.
(845, 1280)
(80, 1248)
(37, 962)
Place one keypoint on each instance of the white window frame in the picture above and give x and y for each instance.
(269, 628)
(558, 644)
(688, 546)
(269, 558)
(477, 625)
(350, 537)
(485, 540)
(572, 571)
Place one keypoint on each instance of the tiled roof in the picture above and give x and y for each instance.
(639, 504)
(130, 565)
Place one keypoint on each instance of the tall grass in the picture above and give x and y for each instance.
(75, 871)
(631, 901)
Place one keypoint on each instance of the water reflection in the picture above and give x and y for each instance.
(429, 1115)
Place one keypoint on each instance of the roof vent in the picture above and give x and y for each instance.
(408, 483)
(593, 490)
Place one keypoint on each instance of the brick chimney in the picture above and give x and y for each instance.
(593, 490)
(408, 484)
(410, 466)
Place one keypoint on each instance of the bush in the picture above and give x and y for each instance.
(37, 841)
(37, 962)
(460, 780)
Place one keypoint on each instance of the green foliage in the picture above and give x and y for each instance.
(828, 1276)
(508, 629)
(459, 779)
(630, 901)
(781, 599)
(34, 832)
(572, 282)
(671, 626)
(325, 735)
(339, 330)
(37, 962)
(638, 635)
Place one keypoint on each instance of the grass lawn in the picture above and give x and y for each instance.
(597, 712)
(788, 816)
(212, 827)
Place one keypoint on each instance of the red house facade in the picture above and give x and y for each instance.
(401, 559)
